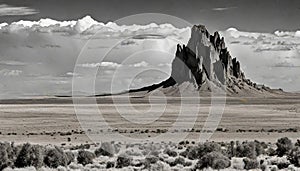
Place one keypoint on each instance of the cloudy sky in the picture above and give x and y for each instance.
(41, 42)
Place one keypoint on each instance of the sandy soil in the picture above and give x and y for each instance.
(53, 120)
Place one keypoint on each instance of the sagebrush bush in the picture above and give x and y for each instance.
(4, 160)
(69, 157)
(196, 152)
(170, 152)
(271, 152)
(284, 146)
(55, 157)
(107, 149)
(12, 151)
(250, 163)
(85, 157)
(110, 164)
(123, 160)
(215, 160)
(150, 159)
(181, 161)
(30, 155)
(250, 149)
(80, 147)
(294, 156)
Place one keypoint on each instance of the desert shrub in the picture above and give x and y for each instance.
(187, 163)
(297, 144)
(196, 152)
(181, 161)
(263, 167)
(107, 149)
(57, 157)
(282, 165)
(215, 160)
(274, 168)
(250, 163)
(284, 146)
(150, 159)
(4, 160)
(171, 153)
(178, 160)
(110, 164)
(271, 152)
(8, 154)
(30, 155)
(249, 149)
(294, 156)
(123, 160)
(154, 153)
(80, 147)
(237, 163)
(231, 150)
(184, 153)
(280, 162)
(85, 157)
(69, 157)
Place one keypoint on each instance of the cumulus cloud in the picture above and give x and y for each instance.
(223, 8)
(6, 72)
(287, 33)
(88, 26)
(140, 64)
(70, 74)
(149, 36)
(262, 42)
(273, 48)
(164, 65)
(8, 10)
(264, 56)
(12, 63)
(111, 65)
(285, 64)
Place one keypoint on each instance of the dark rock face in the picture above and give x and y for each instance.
(205, 59)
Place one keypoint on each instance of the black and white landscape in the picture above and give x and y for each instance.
(149, 85)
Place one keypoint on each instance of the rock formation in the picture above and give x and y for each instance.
(205, 62)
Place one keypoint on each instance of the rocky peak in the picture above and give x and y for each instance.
(205, 61)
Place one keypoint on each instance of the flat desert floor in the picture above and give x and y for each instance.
(46, 120)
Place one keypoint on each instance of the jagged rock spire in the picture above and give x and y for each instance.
(205, 60)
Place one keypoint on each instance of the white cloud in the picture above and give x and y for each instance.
(8, 10)
(164, 65)
(235, 33)
(110, 65)
(70, 74)
(223, 8)
(12, 63)
(88, 26)
(6, 72)
(284, 64)
(273, 48)
(261, 42)
(265, 56)
(140, 64)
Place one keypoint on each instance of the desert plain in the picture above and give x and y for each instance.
(53, 120)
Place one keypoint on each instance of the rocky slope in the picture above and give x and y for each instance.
(205, 65)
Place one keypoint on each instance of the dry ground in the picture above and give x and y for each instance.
(53, 120)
